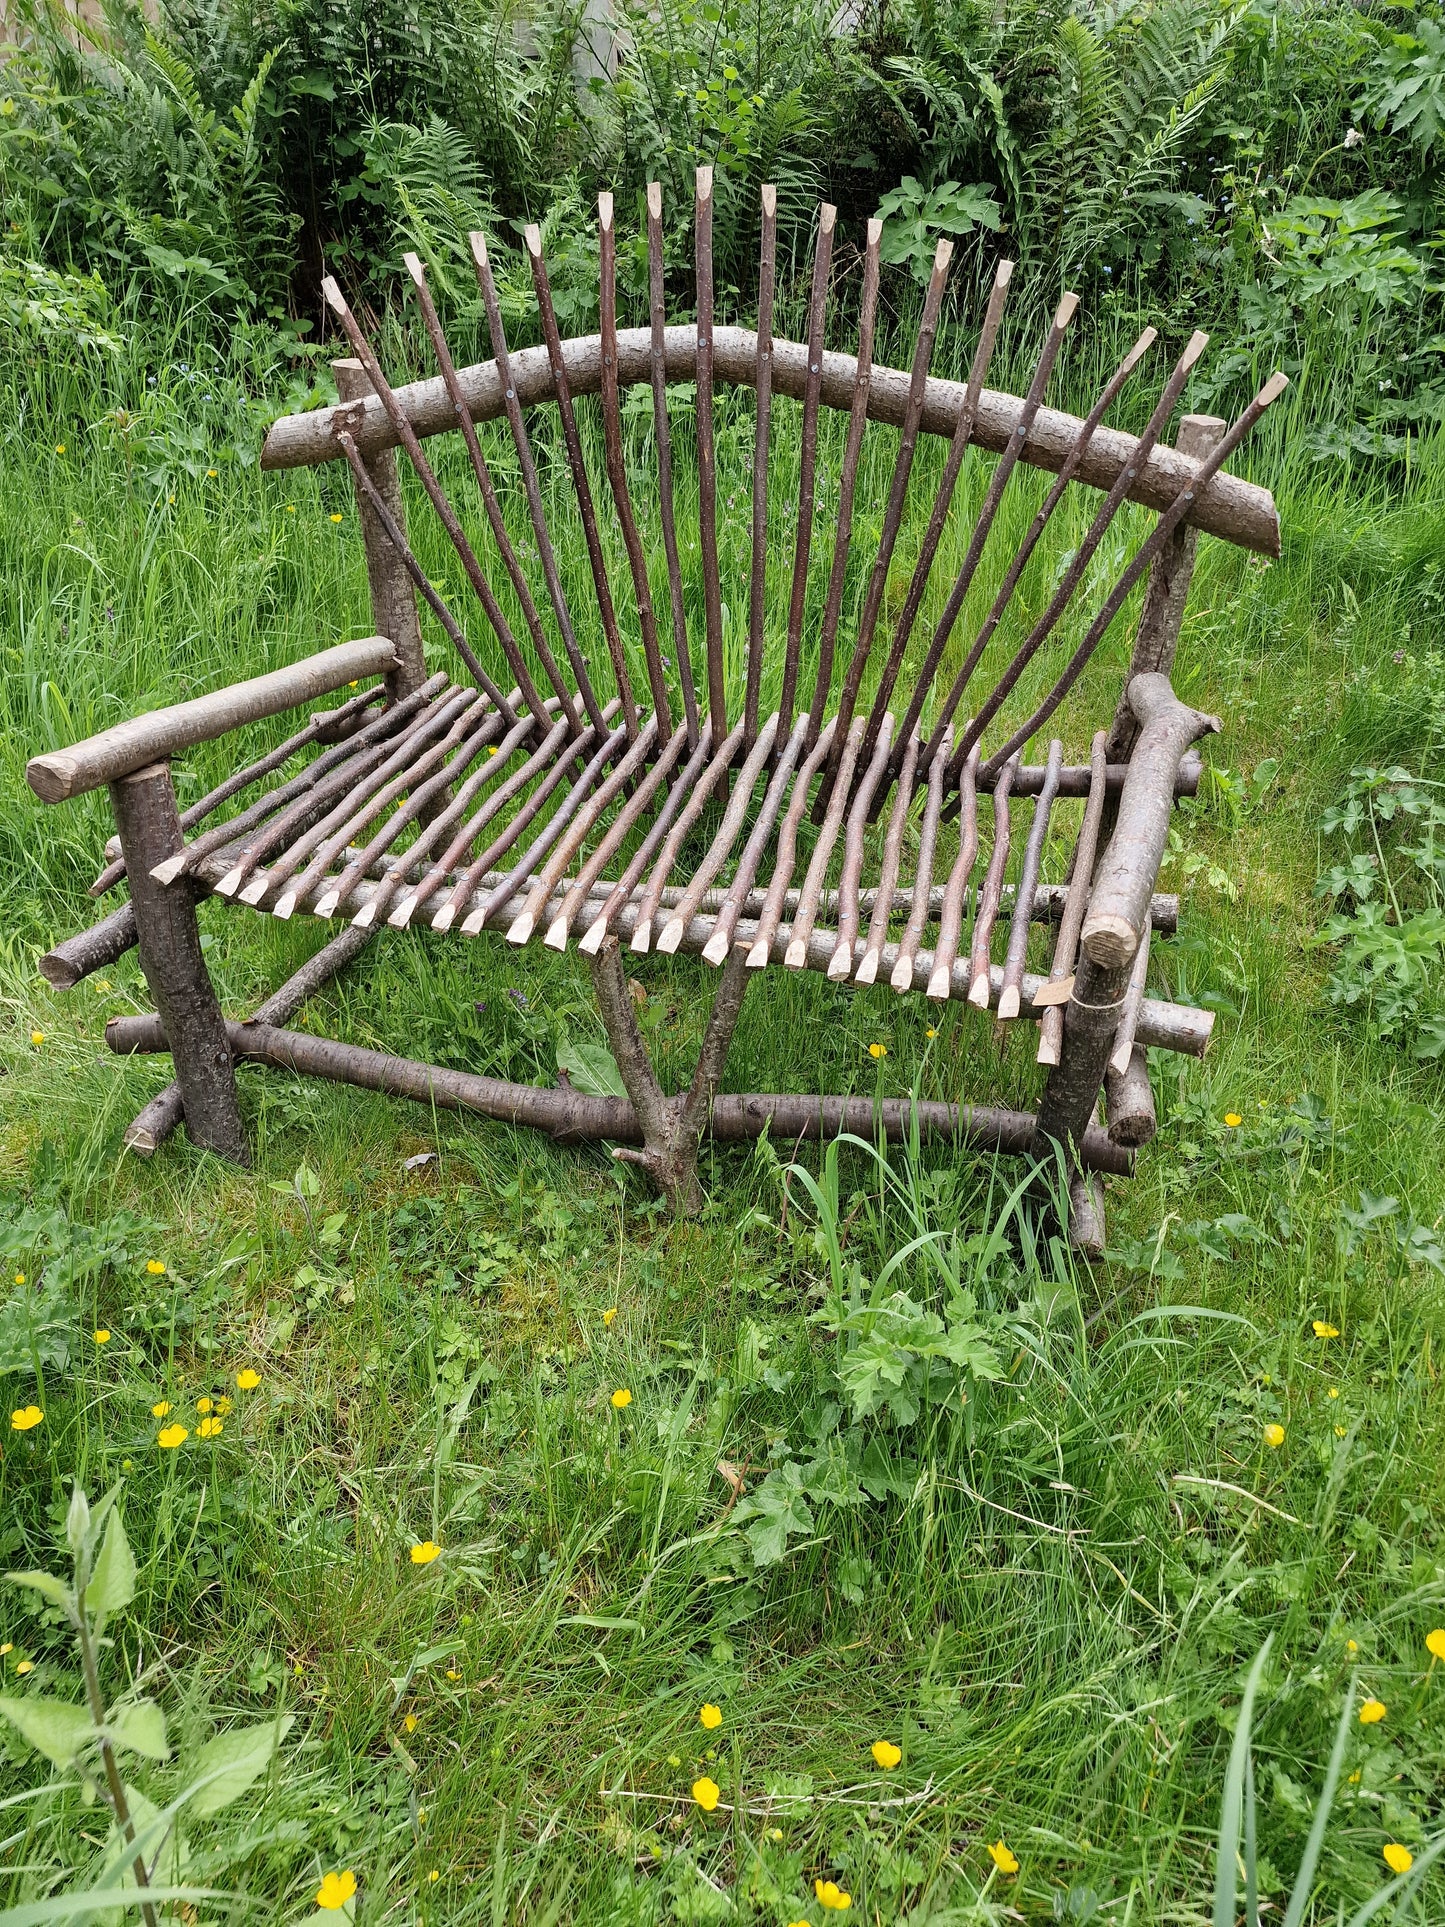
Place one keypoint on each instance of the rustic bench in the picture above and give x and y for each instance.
(582, 782)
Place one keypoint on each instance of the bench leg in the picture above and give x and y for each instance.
(170, 953)
(672, 1127)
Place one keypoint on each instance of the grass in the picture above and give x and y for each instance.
(1047, 1588)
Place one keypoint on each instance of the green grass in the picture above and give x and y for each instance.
(1053, 1591)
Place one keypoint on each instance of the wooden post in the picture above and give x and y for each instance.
(393, 600)
(170, 952)
(1165, 595)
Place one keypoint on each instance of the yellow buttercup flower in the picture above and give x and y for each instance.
(101, 1335)
(452, 1673)
(1003, 1858)
(1352, 1645)
(155, 1267)
(1322, 1330)
(1274, 1436)
(20, 1277)
(710, 1715)
(336, 518)
(1339, 1431)
(223, 1405)
(425, 1552)
(1397, 1858)
(248, 1380)
(210, 475)
(621, 1398)
(609, 1317)
(1233, 1120)
(210, 1428)
(434, 1874)
(171, 1437)
(411, 1722)
(162, 1410)
(203, 1405)
(1333, 1392)
(37, 1038)
(930, 1032)
(336, 1889)
(1372, 1712)
(26, 1666)
(8, 1647)
(832, 1896)
(707, 1793)
(60, 448)
(886, 1754)
(26, 1419)
(877, 1050)
(1435, 1643)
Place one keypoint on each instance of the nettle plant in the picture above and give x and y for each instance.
(1387, 892)
(100, 1743)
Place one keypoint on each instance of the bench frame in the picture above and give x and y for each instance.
(1095, 1017)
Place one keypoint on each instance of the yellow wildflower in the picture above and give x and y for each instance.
(609, 1317)
(1322, 1330)
(248, 1380)
(155, 1267)
(101, 1335)
(707, 1793)
(223, 1405)
(26, 1419)
(336, 518)
(621, 1398)
(1352, 1645)
(37, 1038)
(433, 1875)
(26, 1666)
(1435, 1643)
(423, 1553)
(290, 508)
(1333, 1392)
(411, 1722)
(832, 1896)
(1233, 1120)
(1274, 1436)
(1397, 1858)
(1003, 1858)
(60, 448)
(930, 1032)
(210, 1428)
(335, 1890)
(162, 1410)
(8, 1647)
(171, 1437)
(1372, 1712)
(1339, 1431)
(886, 1754)
(452, 1673)
(20, 1277)
(710, 1715)
(210, 475)
(203, 1405)
(877, 1050)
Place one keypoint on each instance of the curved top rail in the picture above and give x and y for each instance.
(1238, 511)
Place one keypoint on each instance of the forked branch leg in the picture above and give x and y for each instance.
(672, 1127)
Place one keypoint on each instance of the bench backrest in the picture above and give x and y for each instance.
(899, 671)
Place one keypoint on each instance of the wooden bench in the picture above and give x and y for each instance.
(811, 800)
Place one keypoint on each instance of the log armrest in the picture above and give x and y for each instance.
(1119, 905)
(161, 733)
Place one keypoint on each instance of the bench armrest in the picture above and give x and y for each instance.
(160, 733)
(1119, 905)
